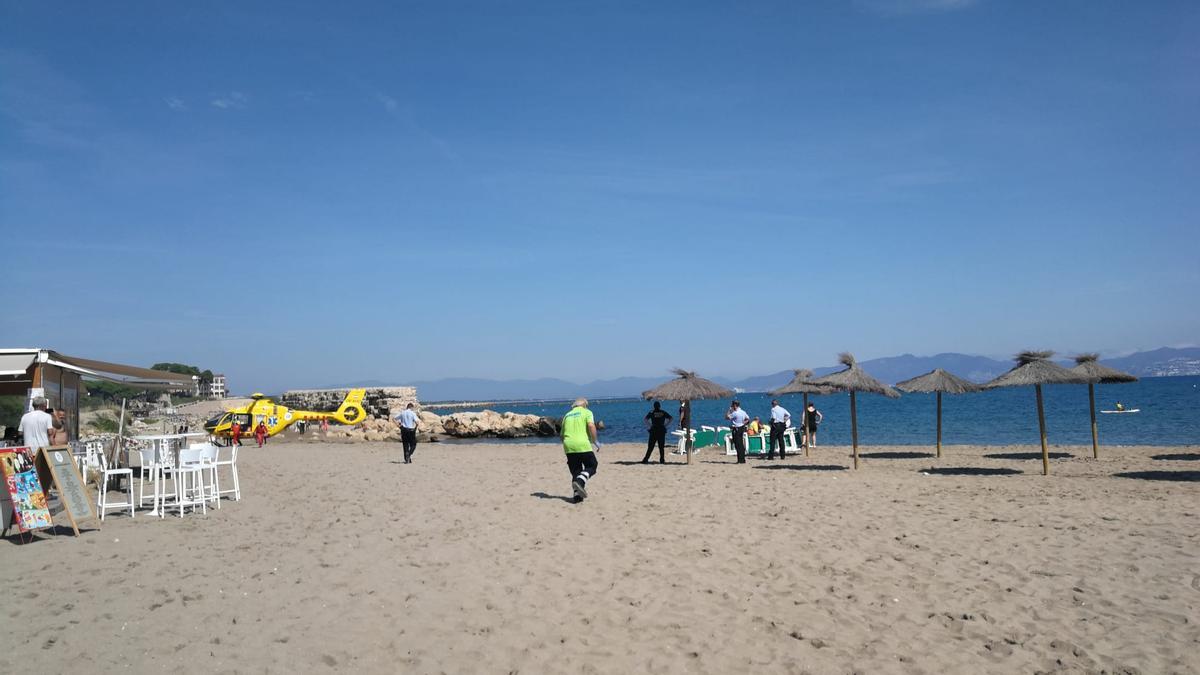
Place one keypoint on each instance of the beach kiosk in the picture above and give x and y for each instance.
(36, 372)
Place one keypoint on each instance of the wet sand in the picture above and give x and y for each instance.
(472, 559)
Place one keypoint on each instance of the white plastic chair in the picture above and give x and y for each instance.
(148, 469)
(107, 474)
(236, 491)
(189, 481)
(208, 461)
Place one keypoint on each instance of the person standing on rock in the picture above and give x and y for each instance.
(408, 431)
(580, 445)
(656, 423)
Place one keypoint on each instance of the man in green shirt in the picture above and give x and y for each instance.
(579, 442)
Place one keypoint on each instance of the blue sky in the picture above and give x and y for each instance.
(302, 194)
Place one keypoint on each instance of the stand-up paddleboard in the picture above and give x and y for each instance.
(1121, 412)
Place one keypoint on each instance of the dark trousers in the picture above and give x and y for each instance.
(739, 443)
(658, 436)
(409, 438)
(777, 434)
(583, 465)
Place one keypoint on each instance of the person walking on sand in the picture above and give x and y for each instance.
(812, 417)
(738, 420)
(260, 433)
(656, 423)
(580, 445)
(408, 431)
(780, 418)
(235, 434)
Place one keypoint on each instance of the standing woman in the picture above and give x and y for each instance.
(812, 417)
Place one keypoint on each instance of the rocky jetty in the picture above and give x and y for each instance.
(486, 424)
(379, 401)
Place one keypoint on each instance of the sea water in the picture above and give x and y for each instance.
(1170, 415)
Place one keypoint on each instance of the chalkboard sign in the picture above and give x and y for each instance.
(59, 464)
(28, 501)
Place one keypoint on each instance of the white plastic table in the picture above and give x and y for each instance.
(157, 469)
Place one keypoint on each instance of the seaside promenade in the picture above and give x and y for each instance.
(471, 559)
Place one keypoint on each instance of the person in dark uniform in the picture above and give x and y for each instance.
(656, 422)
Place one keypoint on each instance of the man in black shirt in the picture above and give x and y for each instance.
(657, 421)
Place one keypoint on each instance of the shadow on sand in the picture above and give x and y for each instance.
(803, 467)
(543, 495)
(1181, 457)
(970, 471)
(896, 455)
(1029, 455)
(1185, 476)
(653, 462)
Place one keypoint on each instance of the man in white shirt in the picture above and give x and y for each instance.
(36, 425)
(779, 424)
(738, 419)
(408, 431)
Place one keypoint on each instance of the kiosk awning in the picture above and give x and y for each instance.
(116, 372)
(16, 364)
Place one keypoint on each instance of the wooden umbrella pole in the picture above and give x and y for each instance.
(854, 427)
(1095, 434)
(687, 431)
(1042, 429)
(939, 424)
(804, 423)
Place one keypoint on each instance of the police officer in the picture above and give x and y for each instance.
(738, 419)
(779, 421)
(656, 422)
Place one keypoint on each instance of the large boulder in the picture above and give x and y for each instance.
(491, 424)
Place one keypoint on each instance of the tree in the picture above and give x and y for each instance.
(178, 368)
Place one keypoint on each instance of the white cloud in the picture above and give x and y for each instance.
(234, 100)
(175, 103)
(390, 104)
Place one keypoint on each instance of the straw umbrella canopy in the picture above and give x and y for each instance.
(800, 384)
(854, 379)
(938, 381)
(1089, 366)
(686, 388)
(1035, 368)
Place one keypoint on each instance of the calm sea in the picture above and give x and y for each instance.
(1170, 415)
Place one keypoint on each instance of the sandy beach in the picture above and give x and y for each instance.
(340, 558)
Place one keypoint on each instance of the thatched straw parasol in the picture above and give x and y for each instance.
(854, 379)
(938, 381)
(686, 388)
(1035, 368)
(800, 384)
(1089, 366)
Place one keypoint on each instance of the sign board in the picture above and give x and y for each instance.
(57, 464)
(28, 501)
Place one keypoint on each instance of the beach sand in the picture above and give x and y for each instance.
(340, 558)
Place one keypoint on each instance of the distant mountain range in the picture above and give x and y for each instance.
(1163, 362)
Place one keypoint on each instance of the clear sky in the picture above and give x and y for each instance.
(310, 193)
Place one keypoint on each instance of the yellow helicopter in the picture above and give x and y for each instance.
(278, 417)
